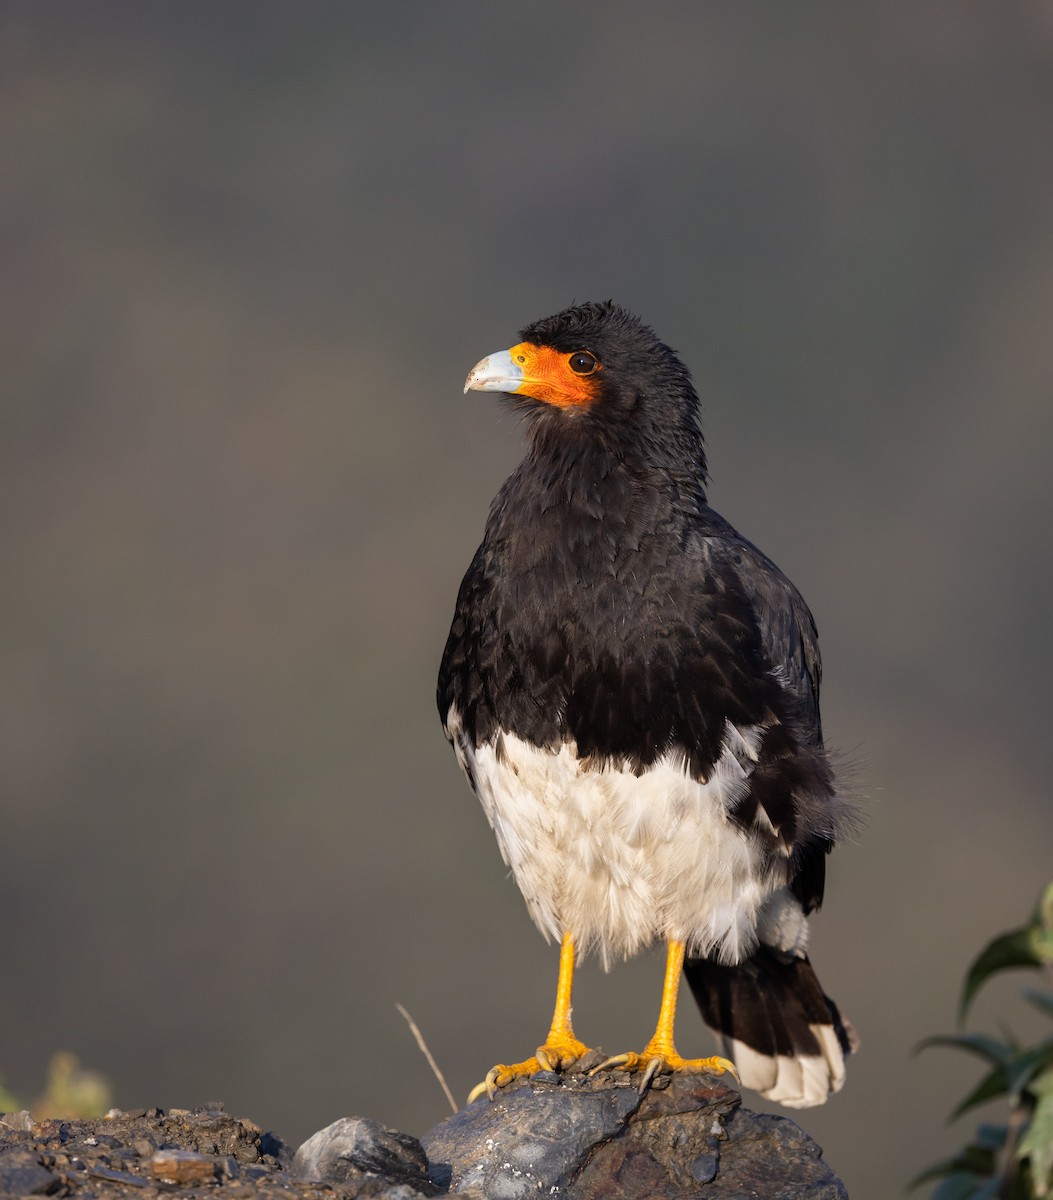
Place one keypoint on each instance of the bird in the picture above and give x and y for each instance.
(632, 690)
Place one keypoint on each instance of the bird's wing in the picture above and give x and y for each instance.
(455, 671)
(787, 634)
(784, 623)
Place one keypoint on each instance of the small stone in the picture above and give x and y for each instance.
(228, 1167)
(51, 1130)
(704, 1168)
(21, 1120)
(114, 1176)
(589, 1060)
(22, 1174)
(356, 1148)
(182, 1166)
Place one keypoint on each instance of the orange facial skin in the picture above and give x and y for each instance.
(547, 376)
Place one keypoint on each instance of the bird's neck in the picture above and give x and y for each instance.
(588, 467)
(579, 498)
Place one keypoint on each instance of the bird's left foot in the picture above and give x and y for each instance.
(658, 1060)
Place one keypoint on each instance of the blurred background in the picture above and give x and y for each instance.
(250, 251)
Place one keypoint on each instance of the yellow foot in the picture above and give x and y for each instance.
(656, 1060)
(557, 1054)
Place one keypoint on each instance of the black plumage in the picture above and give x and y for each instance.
(771, 1002)
(609, 609)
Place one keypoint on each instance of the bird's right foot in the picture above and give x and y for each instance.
(557, 1054)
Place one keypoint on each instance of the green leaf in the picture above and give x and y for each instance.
(991, 1137)
(961, 1185)
(948, 1167)
(990, 1190)
(1014, 949)
(994, 1083)
(930, 1173)
(1026, 1065)
(1043, 1001)
(975, 1160)
(1042, 927)
(7, 1102)
(990, 1049)
(1037, 1142)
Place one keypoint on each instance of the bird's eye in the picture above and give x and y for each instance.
(583, 363)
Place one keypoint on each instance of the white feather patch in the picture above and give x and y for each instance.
(620, 859)
(833, 1055)
(801, 1081)
(782, 923)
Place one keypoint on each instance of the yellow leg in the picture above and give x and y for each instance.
(660, 1055)
(662, 1041)
(561, 1042)
(561, 1048)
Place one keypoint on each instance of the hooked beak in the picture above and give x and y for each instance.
(495, 373)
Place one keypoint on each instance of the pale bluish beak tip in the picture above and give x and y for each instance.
(495, 373)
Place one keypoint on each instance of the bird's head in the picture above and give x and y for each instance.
(598, 368)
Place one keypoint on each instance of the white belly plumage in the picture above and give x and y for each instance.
(620, 859)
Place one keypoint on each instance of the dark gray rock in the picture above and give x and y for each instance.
(530, 1138)
(566, 1136)
(358, 1150)
(757, 1140)
(598, 1139)
(23, 1174)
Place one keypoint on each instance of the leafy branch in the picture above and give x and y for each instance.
(1012, 1161)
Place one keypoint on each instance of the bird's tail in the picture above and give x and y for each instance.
(785, 1036)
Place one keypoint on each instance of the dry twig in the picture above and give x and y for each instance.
(428, 1055)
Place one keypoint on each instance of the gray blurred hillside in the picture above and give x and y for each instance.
(250, 251)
